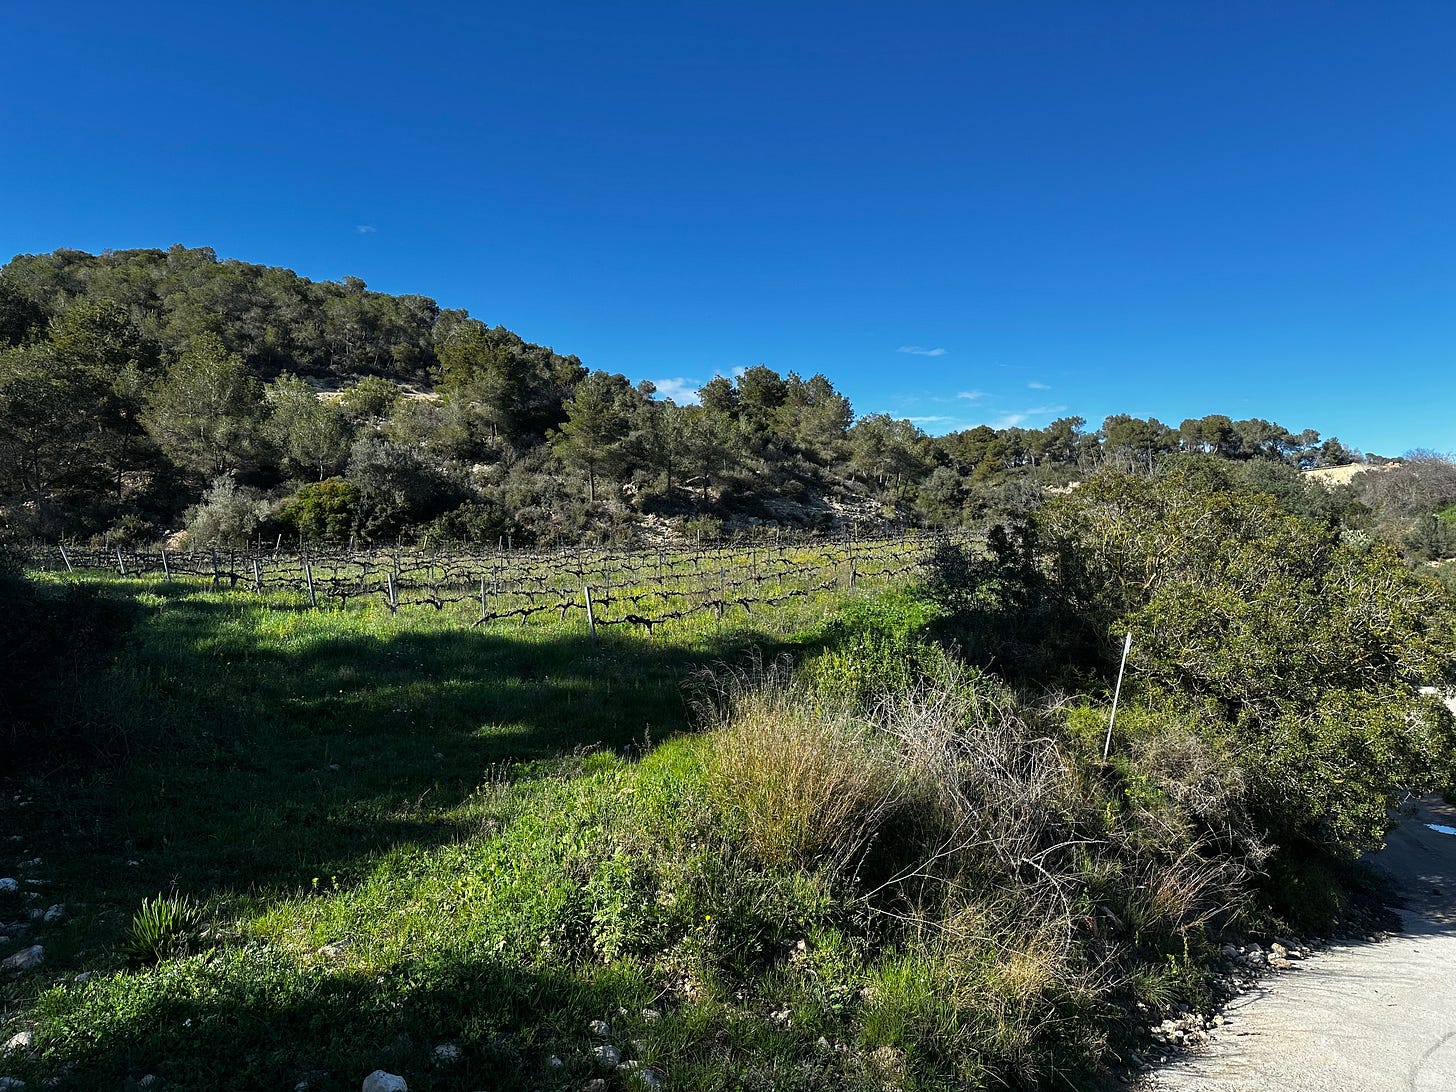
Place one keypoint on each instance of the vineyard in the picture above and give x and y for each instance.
(604, 588)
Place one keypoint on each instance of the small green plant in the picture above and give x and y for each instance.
(162, 927)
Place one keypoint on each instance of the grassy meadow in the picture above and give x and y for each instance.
(799, 847)
(394, 831)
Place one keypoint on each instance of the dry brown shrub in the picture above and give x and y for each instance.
(996, 796)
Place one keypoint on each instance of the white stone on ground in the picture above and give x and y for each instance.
(446, 1054)
(607, 1055)
(27, 959)
(380, 1081)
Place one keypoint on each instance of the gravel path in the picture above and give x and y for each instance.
(1355, 1018)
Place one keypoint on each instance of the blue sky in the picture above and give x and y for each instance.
(996, 212)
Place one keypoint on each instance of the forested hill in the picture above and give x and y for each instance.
(146, 390)
(274, 319)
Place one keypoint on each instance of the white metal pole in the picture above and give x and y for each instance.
(1117, 693)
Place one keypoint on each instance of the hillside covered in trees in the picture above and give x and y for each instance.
(145, 391)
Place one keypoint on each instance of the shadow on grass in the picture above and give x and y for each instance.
(271, 745)
(248, 1020)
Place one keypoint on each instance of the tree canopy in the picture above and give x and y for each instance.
(131, 381)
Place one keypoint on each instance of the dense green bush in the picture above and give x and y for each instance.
(323, 511)
(397, 488)
(229, 514)
(474, 523)
(1005, 609)
(1432, 537)
(1298, 646)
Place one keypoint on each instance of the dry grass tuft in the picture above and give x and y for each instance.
(807, 784)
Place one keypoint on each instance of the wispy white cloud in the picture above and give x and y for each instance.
(1038, 386)
(916, 350)
(1021, 417)
(365, 229)
(682, 391)
(972, 395)
(929, 420)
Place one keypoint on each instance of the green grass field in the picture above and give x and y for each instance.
(288, 846)
(444, 805)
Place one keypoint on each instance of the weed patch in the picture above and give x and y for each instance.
(164, 926)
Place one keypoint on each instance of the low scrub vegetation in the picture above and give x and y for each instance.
(162, 927)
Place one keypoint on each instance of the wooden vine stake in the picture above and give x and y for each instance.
(1117, 693)
(308, 579)
(484, 614)
(166, 568)
(120, 561)
(66, 558)
(389, 587)
(257, 577)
